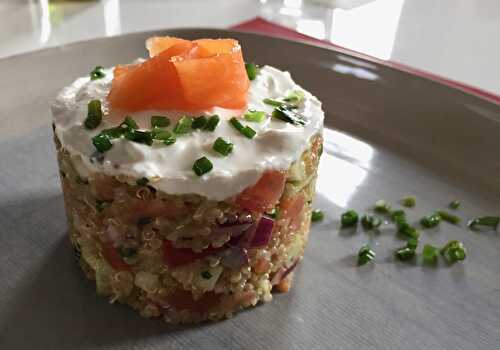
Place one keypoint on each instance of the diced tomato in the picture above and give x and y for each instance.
(183, 300)
(113, 257)
(291, 208)
(174, 257)
(265, 193)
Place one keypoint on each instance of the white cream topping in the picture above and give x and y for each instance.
(169, 168)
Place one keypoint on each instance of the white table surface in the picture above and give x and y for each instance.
(457, 39)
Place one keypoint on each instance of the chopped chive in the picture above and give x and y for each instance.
(130, 123)
(485, 221)
(454, 204)
(365, 255)
(272, 102)
(429, 254)
(398, 216)
(199, 123)
(202, 166)
(407, 230)
(94, 115)
(163, 135)
(222, 146)
(252, 70)
(206, 275)
(349, 218)
(317, 215)
(412, 243)
(452, 219)
(183, 126)
(453, 251)
(405, 254)
(273, 213)
(431, 221)
(255, 116)
(370, 222)
(408, 201)
(143, 137)
(295, 97)
(287, 115)
(102, 143)
(382, 207)
(170, 140)
(159, 121)
(113, 133)
(127, 252)
(212, 123)
(245, 130)
(143, 181)
(97, 73)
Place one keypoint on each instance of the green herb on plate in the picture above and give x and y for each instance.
(453, 251)
(317, 215)
(483, 222)
(370, 222)
(365, 255)
(349, 219)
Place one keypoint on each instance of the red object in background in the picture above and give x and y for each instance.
(262, 26)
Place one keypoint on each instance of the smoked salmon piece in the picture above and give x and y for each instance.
(182, 75)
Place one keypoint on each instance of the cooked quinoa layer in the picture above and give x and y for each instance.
(183, 257)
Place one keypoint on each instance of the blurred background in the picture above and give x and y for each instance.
(457, 39)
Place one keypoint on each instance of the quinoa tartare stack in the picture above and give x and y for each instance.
(188, 178)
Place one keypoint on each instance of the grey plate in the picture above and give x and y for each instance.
(389, 134)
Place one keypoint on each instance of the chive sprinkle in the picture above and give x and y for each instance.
(113, 133)
(453, 251)
(349, 218)
(365, 255)
(382, 207)
(272, 102)
(222, 146)
(143, 137)
(485, 221)
(206, 275)
(163, 135)
(295, 97)
(431, 220)
(212, 123)
(199, 123)
(408, 201)
(130, 123)
(452, 219)
(97, 73)
(245, 130)
(407, 230)
(143, 181)
(255, 116)
(159, 121)
(252, 70)
(429, 254)
(183, 125)
(398, 216)
(94, 115)
(405, 254)
(202, 166)
(288, 115)
(317, 215)
(102, 143)
(370, 222)
(454, 204)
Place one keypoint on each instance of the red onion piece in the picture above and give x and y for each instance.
(234, 257)
(263, 232)
(283, 272)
